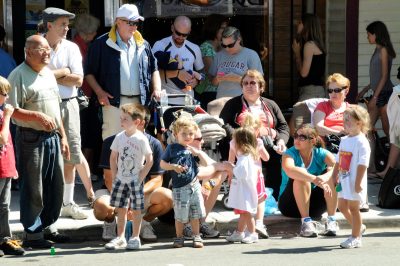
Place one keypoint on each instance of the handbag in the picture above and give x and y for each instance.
(389, 193)
(82, 99)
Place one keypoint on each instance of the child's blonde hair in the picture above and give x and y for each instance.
(360, 114)
(5, 86)
(183, 122)
(246, 141)
(136, 111)
(251, 121)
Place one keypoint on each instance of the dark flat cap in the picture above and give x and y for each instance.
(50, 14)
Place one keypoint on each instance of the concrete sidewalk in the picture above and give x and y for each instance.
(223, 220)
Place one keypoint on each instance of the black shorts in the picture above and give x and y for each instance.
(383, 98)
(288, 207)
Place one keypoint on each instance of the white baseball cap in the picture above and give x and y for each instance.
(130, 12)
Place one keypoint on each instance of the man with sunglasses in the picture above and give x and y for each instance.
(190, 54)
(121, 68)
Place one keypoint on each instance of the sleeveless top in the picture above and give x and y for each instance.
(316, 73)
(375, 70)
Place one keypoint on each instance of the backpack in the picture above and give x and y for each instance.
(389, 193)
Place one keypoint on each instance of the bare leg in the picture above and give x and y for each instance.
(344, 209)
(356, 216)
(331, 201)
(384, 119)
(302, 194)
(84, 172)
(121, 221)
(195, 223)
(137, 222)
(260, 210)
(241, 223)
(209, 203)
(251, 225)
(160, 203)
(179, 229)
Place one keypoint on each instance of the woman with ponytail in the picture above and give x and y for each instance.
(307, 188)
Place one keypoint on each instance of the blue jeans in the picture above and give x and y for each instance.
(40, 166)
(5, 198)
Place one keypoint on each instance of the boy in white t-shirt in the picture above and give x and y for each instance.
(130, 161)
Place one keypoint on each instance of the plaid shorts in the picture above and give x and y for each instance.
(188, 202)
(123, 192)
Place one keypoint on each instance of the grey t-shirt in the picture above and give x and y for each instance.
(237, 64)
(375, 71)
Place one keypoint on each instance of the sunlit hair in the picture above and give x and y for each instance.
(312, 31)
(251, 121)
(341, 80)
(361, 115)
(182, 123)
(232, 32)
(253, 73)
(310, 131)
(5, 86)
(382, 36)
(135, 111)
(246, 142)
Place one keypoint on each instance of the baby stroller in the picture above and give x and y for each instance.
(210, 127)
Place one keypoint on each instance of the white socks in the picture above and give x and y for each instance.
(69, 193)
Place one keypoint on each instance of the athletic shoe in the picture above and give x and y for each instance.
(364, 207)
(261, 229)
(187, 232)
(109, 231)
(178, 242)
(56, 237)
(197, 242)
(147, 232)
(133, 243)
(308, 229)
(351, 242)
(116, 243)
(37, 243)
(250, 238)
(72, 210)
(208, 232)
(235, 237)
(12, 247)
(331, 228)
(363, 229)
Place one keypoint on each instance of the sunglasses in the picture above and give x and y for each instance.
(180, 34)
(131, 22)
(252, 83)
(198, 139)
(336, 90)
(301, 137)
(228, 45)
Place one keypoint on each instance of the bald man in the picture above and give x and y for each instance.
(40, 142)
(178, 45)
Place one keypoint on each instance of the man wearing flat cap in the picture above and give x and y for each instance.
(66, 64)
(121, 68)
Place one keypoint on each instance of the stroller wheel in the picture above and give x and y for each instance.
(225, 202)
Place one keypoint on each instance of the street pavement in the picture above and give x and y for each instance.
(223, 220)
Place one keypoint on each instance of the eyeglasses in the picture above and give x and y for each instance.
(184, 35)
(198, 139)
(41, 50)
(252, 83)
(131, 22)
(301, 137)
(336, 90)
(228, 45)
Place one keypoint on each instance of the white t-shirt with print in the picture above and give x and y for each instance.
(131, 154)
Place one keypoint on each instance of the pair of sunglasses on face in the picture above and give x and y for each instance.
(180, 34)
(131, 23)
(335, 90)
(228, 45)
(301, 137)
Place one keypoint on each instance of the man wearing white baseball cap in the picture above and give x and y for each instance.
(121, 68)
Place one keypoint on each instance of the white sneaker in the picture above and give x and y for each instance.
(308, 229)
(331, 228)
(74, 211)
(351, 242)
(262, 230)
(235, 237)
(251, 238)
(109, 231)
(147, 232)
(116, 243)
(363, 229)
(134, 243)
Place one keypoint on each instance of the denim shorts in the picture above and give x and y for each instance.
(188, 202)
(123, 192)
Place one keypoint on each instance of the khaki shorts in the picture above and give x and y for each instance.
(111, 117)
(71, 121)
(311, 91)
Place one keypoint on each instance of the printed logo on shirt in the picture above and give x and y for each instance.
(344, 161)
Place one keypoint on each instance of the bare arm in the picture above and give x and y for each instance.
(318, 120)
(5, 128)
(114, 164)
(295, 172)
(156, 81)
(147, 166)
(154, 183)
(172, 167)
(102, 95)
(66, 78)
(361, 169)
